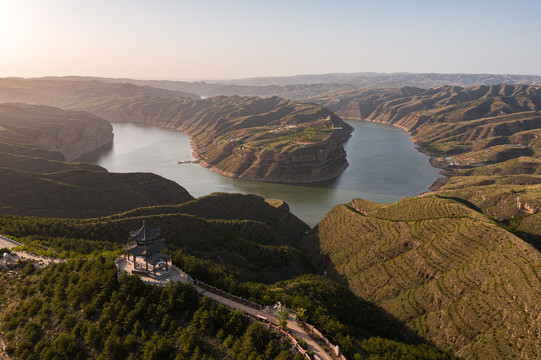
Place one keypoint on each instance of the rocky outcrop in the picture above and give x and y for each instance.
(73, 142)
(527, 206)
(72, 133)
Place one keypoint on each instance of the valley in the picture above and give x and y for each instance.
(454, 272)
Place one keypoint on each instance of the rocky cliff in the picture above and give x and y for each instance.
(264, 139)
(37, 180)
(73, 142)
(68, 132)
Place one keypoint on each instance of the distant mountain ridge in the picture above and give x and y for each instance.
(299, 87)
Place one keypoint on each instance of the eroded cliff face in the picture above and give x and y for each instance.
(72, 133)
(264, 139)
(310, 163)
(73, 142)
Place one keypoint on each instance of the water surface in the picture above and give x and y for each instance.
(384, 167)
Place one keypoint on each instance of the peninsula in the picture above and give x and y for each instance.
(263, 139)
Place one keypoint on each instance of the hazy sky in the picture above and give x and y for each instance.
(216, 39)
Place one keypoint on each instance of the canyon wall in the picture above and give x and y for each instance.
(73, 142)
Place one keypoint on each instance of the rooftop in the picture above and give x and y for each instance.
(144, 234)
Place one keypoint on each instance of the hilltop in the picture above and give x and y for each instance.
(450, 273)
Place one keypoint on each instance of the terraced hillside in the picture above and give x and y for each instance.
(37, 179)
(469, 128)
(446, 270)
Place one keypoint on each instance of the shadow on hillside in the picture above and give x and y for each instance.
(380, 321)
(532, 239)
(463, 202)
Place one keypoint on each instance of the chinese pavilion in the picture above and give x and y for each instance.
(144, 244)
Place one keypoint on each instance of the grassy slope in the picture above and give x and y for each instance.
(446, 263)
(449, 272)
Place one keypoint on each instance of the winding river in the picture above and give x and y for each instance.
(384, 167)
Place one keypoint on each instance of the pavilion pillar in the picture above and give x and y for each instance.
(166, 266)
(146, 264)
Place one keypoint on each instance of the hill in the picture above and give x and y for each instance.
(447, 271)
(468, 127)
(270, 139)
(85, 288)
(80, 309)
(37, 179)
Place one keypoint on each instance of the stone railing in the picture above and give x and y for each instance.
(10, 240)
(296, 346)
(183, 274)
(227, 295)
(335, 348)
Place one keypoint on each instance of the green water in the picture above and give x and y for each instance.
(384, 166)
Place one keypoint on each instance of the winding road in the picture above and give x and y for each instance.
(292, 326)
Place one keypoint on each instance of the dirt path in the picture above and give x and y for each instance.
(293, 327)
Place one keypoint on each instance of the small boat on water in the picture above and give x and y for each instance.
(184, 162)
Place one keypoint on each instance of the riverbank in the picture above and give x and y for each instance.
(383, 167)
(433, 157)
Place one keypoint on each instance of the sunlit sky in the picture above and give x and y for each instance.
(219, 39)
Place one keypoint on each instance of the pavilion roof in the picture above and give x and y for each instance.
(144, 234)
(133, 247)
(155, 258)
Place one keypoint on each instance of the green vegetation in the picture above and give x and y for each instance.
(450, 273)
(244, 239)
(458, 268)
(85, 305)
(79, 309)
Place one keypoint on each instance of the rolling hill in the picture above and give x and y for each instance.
(447, 271)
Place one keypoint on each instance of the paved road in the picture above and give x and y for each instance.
(292, 326)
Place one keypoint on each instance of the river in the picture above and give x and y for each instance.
(384, 166)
